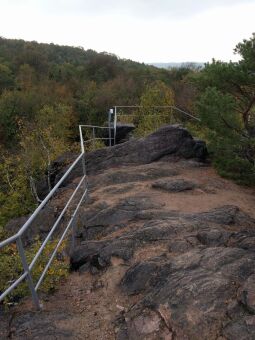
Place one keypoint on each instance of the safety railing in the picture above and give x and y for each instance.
(93, 137)
(17, 238)
(115, 114)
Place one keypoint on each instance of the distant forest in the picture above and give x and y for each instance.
(46, 90)
(33, 75)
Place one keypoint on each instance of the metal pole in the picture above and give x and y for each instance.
(109, 126)
(74, 225)
(83, 157)
(28, 277)
(93, 137)
(115, 123)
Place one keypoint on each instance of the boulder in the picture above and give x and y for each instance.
(123, 132)
(168, 140)
(175, 185)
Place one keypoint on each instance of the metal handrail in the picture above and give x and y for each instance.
(94, 138)
(115, 113)
(27, 274)
(155, 107)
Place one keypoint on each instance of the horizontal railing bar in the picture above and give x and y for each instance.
(160, 107)
(55, 224)
(95, 126)
(59, 242)
(13, 286)
(132, 114)
(96, 138)
(43, 203)
(152, 106)
(186, 113)
(9, 240)
(138, 106)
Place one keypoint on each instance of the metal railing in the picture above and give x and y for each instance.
(94, 137)
(17, 238)
(116, 114)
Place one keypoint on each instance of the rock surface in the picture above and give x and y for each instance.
(123, 132)
(177, 185)
(171, 140)
(173, 263)
(168, 140)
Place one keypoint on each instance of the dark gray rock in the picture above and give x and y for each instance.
(213, 237)
(242, 329)
(123, 132)
(226, 215)
(98, 254)
(246, 294)
(179, 246)
(190, 291)
(168, 140)
(175, 185)
(124, 211)
(139, 174)
(138, 277)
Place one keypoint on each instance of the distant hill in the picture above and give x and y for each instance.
(192, 65)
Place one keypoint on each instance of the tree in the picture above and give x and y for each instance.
(226, 106)
(6, 78)
(150, 117)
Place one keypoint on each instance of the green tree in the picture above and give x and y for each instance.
(226, 106)
(6, 78)
(149, 117)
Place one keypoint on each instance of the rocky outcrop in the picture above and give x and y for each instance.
(200, 282)
(169, 140)
(201, 285)
(167, 237)
(123, 132)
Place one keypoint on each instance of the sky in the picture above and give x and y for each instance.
(141, 30)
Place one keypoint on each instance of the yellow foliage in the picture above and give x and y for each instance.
(11, 268)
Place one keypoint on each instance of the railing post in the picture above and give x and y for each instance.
(26, 270)
(83, 158)
(74, 225)
(115, 124)
(109, 126)
(93, 137)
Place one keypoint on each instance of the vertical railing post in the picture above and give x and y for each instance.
(109, 126)
(26, 270)
(115, 124)
(74, 225)
(93, 137)
(83, 158)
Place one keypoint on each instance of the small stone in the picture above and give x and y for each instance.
(121, 308)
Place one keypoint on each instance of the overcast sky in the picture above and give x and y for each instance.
(142, 30)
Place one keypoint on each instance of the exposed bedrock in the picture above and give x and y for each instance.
(200, 286)
(170, 140)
